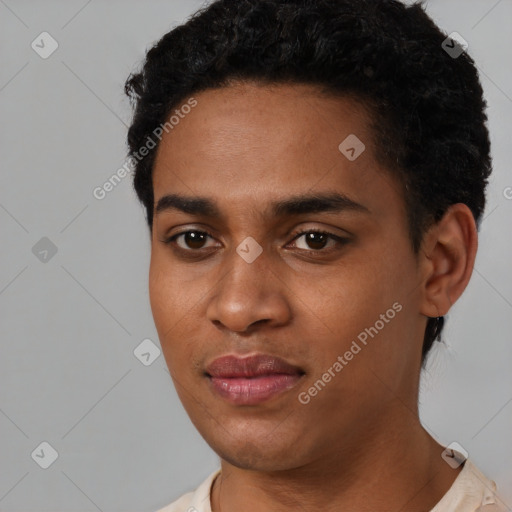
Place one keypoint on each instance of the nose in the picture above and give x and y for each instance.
(248, 295)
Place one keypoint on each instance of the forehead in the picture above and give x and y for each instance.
(248, 142)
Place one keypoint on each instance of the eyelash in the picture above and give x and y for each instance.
(340, 240)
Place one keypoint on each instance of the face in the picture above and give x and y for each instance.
(259, 267)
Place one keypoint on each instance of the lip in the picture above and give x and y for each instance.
(251, 380)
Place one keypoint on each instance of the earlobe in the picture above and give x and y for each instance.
(447, 258)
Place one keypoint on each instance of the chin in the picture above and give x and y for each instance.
(256, 458)
(266, 452)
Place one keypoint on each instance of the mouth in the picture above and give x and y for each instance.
(251, 380)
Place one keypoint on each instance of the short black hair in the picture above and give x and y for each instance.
(426, 103)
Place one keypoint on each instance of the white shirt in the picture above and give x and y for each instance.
(470, 492)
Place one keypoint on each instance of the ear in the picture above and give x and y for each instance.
(447, 258)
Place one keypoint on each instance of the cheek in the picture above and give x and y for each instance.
(354, 297)
(357, 290)
(167, 297)
(174, 305)
(170, 292)
(159, 294)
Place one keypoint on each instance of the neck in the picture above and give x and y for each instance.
(398, 469)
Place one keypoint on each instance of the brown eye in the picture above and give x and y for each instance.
(194, 239)
(316, 241)
(190, 240)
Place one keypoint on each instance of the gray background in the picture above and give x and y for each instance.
(70, 324)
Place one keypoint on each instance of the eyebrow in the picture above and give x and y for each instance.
(333, 202)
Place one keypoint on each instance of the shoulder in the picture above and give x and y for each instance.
(194, 501)
(472, 491)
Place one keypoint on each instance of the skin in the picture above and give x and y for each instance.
(358, 444)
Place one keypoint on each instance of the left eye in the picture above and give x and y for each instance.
(317, 240)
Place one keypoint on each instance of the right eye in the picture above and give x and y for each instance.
(190, 241)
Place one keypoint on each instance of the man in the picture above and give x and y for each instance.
(313, 173)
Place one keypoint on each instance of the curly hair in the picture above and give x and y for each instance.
(427, 105)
